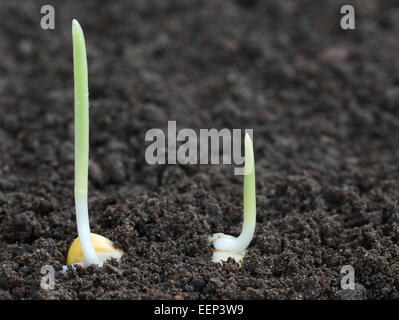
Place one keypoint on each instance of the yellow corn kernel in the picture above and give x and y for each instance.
(104, 248)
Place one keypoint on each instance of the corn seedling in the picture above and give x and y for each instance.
(88, 248)
(226, 246)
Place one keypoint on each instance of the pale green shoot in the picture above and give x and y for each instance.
(82, 142)
(228, 246)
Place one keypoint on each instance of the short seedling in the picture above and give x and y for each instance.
(226, 246)
(88, 248)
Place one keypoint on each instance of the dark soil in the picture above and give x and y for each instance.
(323, 103)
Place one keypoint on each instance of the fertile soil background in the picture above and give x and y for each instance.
(323, 103)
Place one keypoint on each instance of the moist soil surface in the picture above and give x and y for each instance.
(323, 104)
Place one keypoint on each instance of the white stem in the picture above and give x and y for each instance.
(82, 220)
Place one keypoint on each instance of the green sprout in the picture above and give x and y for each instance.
(226, 246)
(88, 248)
